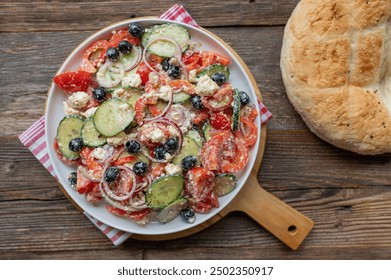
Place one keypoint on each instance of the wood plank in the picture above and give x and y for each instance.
(22, 16)
(26, 90)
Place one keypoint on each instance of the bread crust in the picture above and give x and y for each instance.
(337, 72)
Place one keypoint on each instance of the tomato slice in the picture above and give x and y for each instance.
(94, 195)
(221, 100)
(122, 161)
(136, 216)
(83, 185)
(158, 169)
(220, 121)
(221, 59)
(96, 53)
(199, 183)
(201, 116)
(73, 81)
(250, 138)
(95, 167)
(182, 85)
(122, 35)
(206, 205)
(217, 150)
(239, 161)
(207, 58)
(143, 71)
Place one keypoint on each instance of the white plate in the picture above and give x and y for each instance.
(54, 113)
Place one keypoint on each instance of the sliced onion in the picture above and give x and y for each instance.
(177, 52)
(128, 195)
(114, 67)
(145, 151)
(115, 204)
(164, 112)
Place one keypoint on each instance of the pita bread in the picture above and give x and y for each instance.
(336, 67)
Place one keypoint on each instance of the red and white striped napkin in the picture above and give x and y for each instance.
(34, 137)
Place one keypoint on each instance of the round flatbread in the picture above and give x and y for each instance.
(336, 67)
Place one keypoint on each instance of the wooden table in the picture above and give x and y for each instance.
(348, 196)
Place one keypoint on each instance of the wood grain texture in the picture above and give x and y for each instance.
(347, 195)
(21, 16)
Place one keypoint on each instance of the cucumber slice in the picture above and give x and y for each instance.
(112, 117)
(164, 190)
(180, 97)
(165, 48)
(68, 129)
(236, 111)
(195, 135)
(215, 68)
(189, 148)
(224, 184)
(127, 60)
(91, 137)
(206, 130)
(135, 95)
(172, 210)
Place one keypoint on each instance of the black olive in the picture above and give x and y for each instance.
(196, 100)
(112, 54)
(140, 168)
(188, 215)
(171, 145)
(160, 152)
(99, 93)
(76, 144)
(111, 174)
(166, 64)
(136, 30)
(219, 78)
(174, 72)
(125, 46)
(188, 162)
(72, 179)
(244, 98)
(132, 147)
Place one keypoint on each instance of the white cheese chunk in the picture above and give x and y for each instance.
(206, 86)
(132, 80)
(172, 169)
(78, 99)
(68, 110)
(99, 153)
(90, 112)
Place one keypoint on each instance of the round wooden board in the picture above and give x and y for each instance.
(284, 222)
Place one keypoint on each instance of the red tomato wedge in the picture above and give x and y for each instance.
(136, 216)
(199, 183)
(239, 161)
(73, 81)
(122, 35)
(96, 53)
(84, 185)
(221, 100)
(206, 205)
(143, 71)
(220, 121)
(217, 150)
(251, 133)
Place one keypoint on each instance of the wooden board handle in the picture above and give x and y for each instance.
(284, 222)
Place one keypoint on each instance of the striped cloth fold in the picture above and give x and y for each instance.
(34, 137)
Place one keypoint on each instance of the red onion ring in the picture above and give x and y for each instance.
(112, 195)
(116, 204)
(145, 151)
(177, 52)
(164, 112)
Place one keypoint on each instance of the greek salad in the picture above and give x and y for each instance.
(153, 125)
